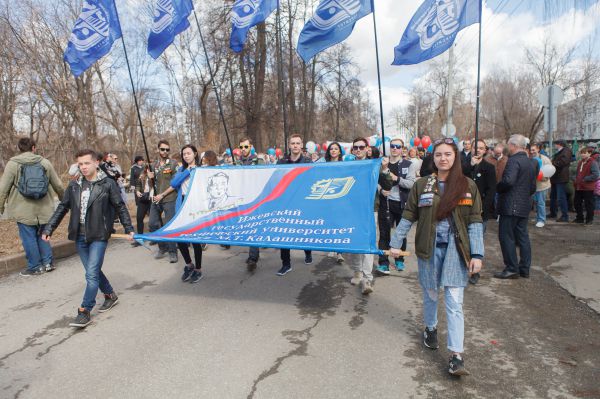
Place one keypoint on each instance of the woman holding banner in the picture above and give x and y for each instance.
(181, 183)
(449, 243)
(334, 154)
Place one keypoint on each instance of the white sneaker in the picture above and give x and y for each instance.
(540, 224)
(340, 258)
(367, 287)
(331, 254)
(356, 279)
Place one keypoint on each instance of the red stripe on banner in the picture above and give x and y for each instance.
(281, 187)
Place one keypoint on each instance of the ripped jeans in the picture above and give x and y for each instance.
(453, 297)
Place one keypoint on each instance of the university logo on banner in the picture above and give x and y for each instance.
(433, 28)
(244, 15)
(321, 206)
(170, 19)
(92, 37)
(332, 22)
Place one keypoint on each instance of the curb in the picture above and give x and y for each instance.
(60, 249)
(12, 263)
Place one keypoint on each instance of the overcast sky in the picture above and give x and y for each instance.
(508, 26)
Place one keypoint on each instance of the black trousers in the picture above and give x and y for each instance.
(286, 259)
(512, 232)
(388, 217)
(584, 199)
(185, 252)
(142, 209)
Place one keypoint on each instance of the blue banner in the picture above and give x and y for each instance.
(244, 15)
(94, 33)
(331, 24)
(320, 207)
(170, 19)
(433, 28)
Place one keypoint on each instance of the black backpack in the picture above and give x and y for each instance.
(33, 182)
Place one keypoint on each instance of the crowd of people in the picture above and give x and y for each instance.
(452, 192)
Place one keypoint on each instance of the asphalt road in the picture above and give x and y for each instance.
(309, 334)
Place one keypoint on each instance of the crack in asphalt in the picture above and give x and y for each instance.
(316, 300)
(34, 339)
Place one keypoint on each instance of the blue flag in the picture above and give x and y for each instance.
(244, 15)
(170, 19)
(331, 24)
(433, 28)
(320, 206)
(94, 33)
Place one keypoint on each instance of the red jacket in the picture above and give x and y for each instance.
(584, 170)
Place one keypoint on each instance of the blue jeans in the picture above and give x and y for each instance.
(453, 297)
(37, 251)
(540, 199)
(92, 257)
(558, 199)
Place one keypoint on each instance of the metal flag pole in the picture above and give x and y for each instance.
(212, 81)
(378, 78)
(280, 78)
(478, 82)
(137, 107)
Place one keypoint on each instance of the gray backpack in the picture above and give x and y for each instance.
(33, 182)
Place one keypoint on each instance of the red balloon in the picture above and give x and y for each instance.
(324, 147)
(318, 147)
(417, 141)
(237, 152)
(425, 141)
(278, 152)
(540, 176)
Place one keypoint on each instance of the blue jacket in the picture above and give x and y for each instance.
(517, 186)
(177, 181)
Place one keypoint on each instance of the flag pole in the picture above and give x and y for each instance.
(378, 78)
(280, 78)
(137, 107)
(478, 80)
(212, 81)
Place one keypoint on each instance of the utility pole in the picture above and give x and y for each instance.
(450, 92)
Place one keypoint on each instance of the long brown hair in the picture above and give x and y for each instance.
(456, 184)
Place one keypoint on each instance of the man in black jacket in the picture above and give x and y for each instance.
(295, 156)
(483, 174)
(514, 204)
(558, 192)
(90, 199)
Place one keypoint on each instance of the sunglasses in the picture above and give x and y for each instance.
(447, 140)
(244, 146)
(358, 147)
(396, 146)
(164, 149)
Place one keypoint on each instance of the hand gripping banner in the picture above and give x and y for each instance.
(320, 207)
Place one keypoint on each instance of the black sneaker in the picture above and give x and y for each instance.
(109, 301)
(308, 259)
(49, 267)
(474, 279)
(29, 272)
(285, 269)
(430, 338)
(251, 264)
(196, 276)
(82, 319)
(187, 272)
(456, 366)
(225, 246)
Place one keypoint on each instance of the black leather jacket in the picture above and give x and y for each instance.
(517, 186)
(105, 198)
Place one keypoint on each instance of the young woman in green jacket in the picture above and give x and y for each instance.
(449, 243)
